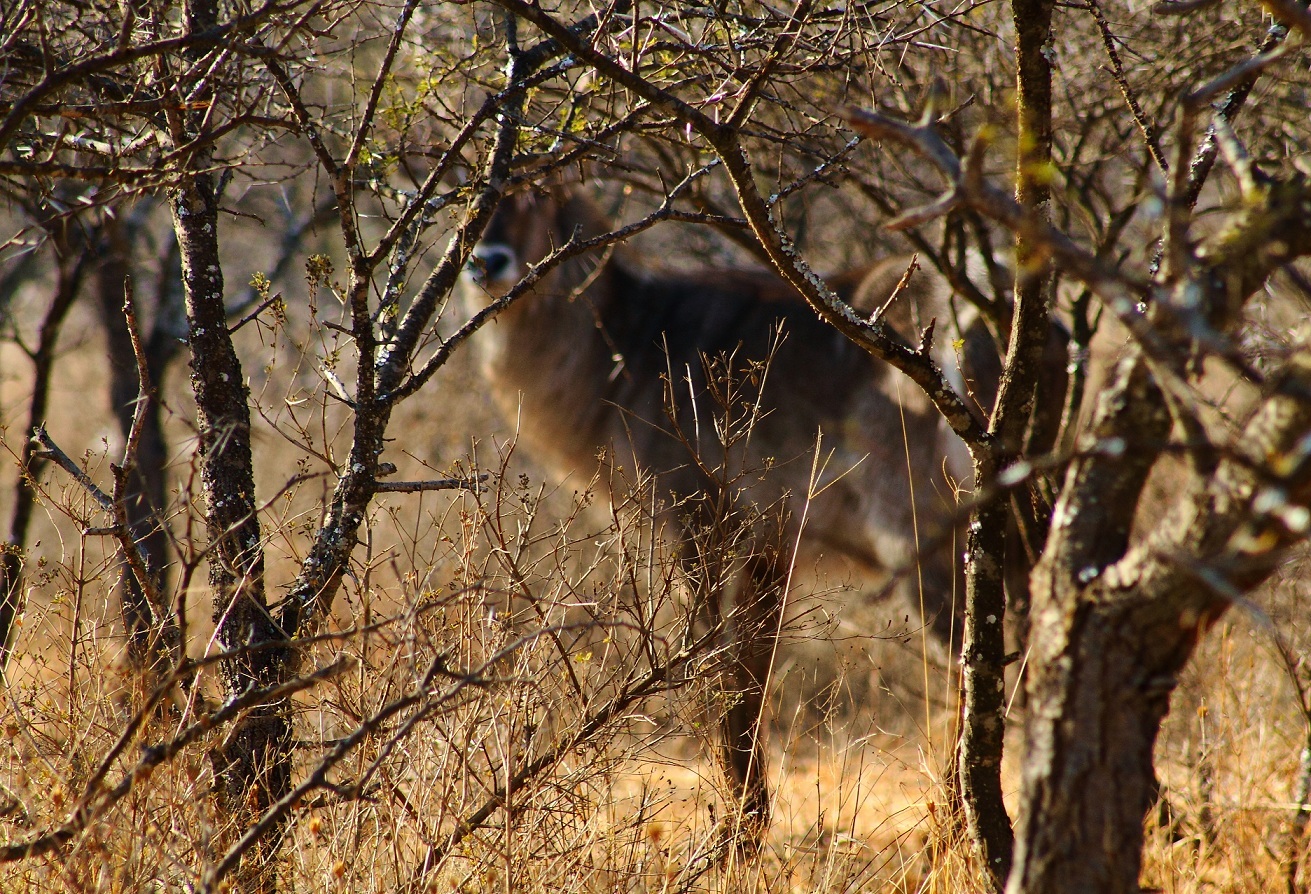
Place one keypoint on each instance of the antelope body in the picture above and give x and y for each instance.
(605, 354)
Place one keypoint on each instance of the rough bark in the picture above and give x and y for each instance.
(1098, 534)
(254, 765)
(983, 724)
(984, 683)
(1109, 645)
(1114, 623)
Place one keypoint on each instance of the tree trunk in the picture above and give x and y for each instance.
(254, 766)
(1110, 639)
(984, 681)
(1097, 709)
(1113, 625)
(983, 729)
(151, 631)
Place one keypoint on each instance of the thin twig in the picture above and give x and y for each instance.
(1150, 136)
(1239, 89)
(264, 305)
(123, 472)
(1181, 7)
(656, 679)
(51, 451)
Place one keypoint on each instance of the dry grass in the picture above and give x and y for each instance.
(535, 603)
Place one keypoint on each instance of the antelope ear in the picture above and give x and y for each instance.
(909, 312)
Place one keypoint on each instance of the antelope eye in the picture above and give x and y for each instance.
(495, 261)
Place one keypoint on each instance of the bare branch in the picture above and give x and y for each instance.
(419, 487)
(58, 77)
(1150, 135)
(51, 451)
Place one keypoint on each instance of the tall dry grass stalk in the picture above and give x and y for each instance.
(541, 673)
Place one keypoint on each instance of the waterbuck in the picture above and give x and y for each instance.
(605, 355)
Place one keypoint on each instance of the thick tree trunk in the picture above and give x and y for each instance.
(1110, 638)
(1097, 709)
(254, 768)
(1058, 843)
(254, 765)
(1113, 625)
